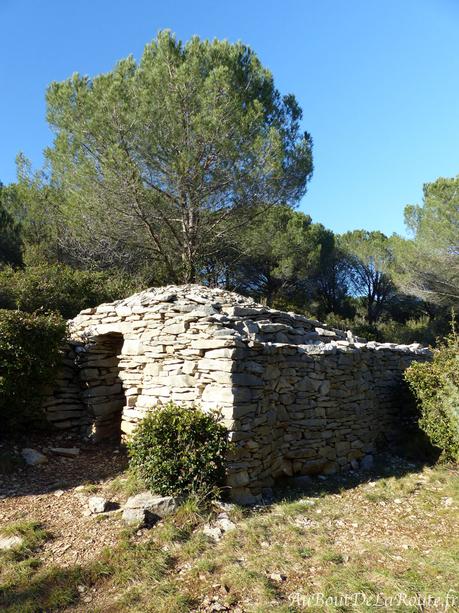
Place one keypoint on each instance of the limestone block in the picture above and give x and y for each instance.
(271, 372)
(65, 415)
(212, 343)
(98, 504)
(222, 365)
(104, 308)
(32, 457)
(245, 379)
(251, 327)
(177, 328)
(128, 427)
(220, 393)
(158, 505)
(224, 332)
(102, 390)
(123, 310)
(242, 311)
(238, 479)
(185, 395)
(11, 542)
(135, 518)
(272, 327)
(175, 381)
(330, 468)
(189, 368)
(133, 347)
(220, 353)
(150, 392)
(253, 367)
(282, 338)
(242, 410)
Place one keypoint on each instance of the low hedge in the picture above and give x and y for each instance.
(435, 386)
(29, 355)
(60, 288)
(179, 450)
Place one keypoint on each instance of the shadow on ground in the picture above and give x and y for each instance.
(410, 455)
(104, 460)
(53, 588)
(92, 464)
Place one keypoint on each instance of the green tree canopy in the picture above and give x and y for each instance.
(330, 283)
(369, 261)
(168, 154)
(10, 240)
(428, 264)
(34, 202)
(282, 251)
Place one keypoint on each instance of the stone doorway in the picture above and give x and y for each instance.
(103, 392)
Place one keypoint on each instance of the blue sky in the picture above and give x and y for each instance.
(378, 81)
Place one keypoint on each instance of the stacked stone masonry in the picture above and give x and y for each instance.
(297, 396)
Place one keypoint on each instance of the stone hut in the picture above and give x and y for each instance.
(297, 396)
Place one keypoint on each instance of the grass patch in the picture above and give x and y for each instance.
(127, 484)
(333, 556)
(90, 488)
(399, 535)
(32, 533)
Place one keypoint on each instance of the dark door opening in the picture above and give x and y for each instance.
(103, 391)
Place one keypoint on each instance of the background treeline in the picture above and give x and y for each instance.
(384, 288)
(187, 166)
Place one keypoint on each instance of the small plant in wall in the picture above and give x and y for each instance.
(179, 450)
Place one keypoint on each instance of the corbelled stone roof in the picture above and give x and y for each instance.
(249, 319)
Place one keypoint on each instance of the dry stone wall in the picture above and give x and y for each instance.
(297, 396)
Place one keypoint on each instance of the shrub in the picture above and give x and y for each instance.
(422, 330)
(436, 388)
(357, 325)
(58, 287)
(419, 330)
(179, 449)
(29, 355)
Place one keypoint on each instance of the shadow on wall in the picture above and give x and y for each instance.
(103, 391)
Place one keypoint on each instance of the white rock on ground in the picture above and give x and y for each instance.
(32, 457)
(223, 524)
(66, 452)
(367, 462)
(98, 504)
(148, 508)
(212, 532)
(159, 505)
(135, 517)
(10, 542)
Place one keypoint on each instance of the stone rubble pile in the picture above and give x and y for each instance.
(145, 509)
(297, 396)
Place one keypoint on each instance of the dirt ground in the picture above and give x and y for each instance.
(56, 493)
(387, 533)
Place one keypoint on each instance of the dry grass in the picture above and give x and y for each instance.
(388, 536)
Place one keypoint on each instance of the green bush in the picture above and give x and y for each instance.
(357, 325)
(436, 388)
(419, 330)
(29, 356)
(178, 450)
(58, 287)
(422, 330)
